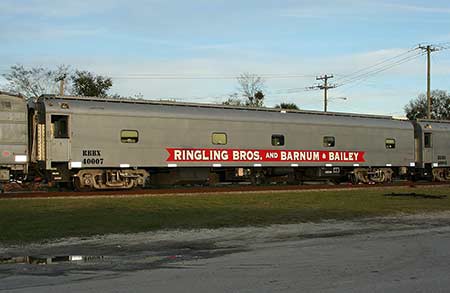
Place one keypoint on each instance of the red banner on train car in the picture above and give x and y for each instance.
(251, 155)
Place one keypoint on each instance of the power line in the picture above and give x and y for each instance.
(365, 72)
(379, 69)
(374, 72)
(376, 64)
(201, 77)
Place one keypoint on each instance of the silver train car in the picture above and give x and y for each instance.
(432, 148)
(121, 144)
(13, 137)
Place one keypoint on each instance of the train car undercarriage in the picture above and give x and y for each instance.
(126, 179)
(103, 179)
(98, 179)
(441, 174)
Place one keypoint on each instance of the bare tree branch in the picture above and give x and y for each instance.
(251, 86)
(35, 81)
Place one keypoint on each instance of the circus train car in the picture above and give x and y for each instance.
(120, 144)
(95, 143)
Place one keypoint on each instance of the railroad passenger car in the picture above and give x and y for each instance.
(432, 139)
(13, 137)
(114, 143)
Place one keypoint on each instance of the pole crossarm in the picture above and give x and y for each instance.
(325, 87)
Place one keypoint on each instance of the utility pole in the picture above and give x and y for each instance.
(325, 86)
(62, 80)
(429, 49)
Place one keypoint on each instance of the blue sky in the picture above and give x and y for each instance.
(221, 39)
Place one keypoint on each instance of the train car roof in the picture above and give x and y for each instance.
(3, 93)
(140, 107)
(435, 125)
(10, 102)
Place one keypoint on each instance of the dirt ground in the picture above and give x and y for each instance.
(224, 239)
(393, 249)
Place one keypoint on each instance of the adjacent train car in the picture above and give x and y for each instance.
(13, 137)
(432, 139)
(113, 143)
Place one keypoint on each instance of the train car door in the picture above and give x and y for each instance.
(427, 147)
(59, 142)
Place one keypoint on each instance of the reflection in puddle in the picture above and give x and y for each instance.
(49, 260)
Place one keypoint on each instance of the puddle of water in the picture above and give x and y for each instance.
(49, 260)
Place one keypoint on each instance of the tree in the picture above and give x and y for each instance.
(34, 81)
(288, 106)
(233, 100)
(251, 87)
(86, 83)
(440, 106)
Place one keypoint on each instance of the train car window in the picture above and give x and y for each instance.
(329, 141)
(129, 136)
(427, 140)
(5, 105)
(60, 126)
(219, 138)
(390, 143)
(277, 140)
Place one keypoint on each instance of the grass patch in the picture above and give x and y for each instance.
(29, 220)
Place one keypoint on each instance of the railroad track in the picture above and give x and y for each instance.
(205, 190)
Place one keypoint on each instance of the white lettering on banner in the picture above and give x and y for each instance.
(249, 155)
(343, 156)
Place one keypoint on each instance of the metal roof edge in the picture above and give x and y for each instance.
(432, 121)
(12, 94)
(214, 106)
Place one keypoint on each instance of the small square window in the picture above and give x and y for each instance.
(329, 141)
(60, 126)
(219, 138)
(390, 143)
(277, 140)
(129, 136)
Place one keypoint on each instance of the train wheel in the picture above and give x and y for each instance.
(446, 174)
(353, 179)
(78, 187)
(293, 179)
(439, 174)
(258, 177)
